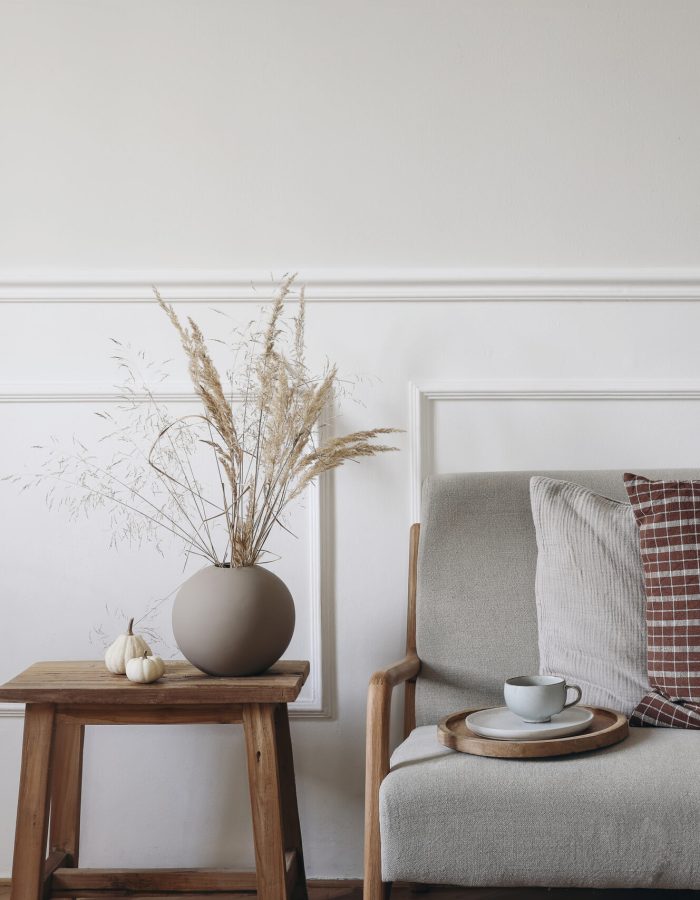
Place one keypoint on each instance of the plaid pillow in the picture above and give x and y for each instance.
(668, 516)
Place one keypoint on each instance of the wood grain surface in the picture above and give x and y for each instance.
(90, 682)
(32, 827)
(66, 789)
(608, 727)
(160, 714)
(409, 697)
(265, 800)
(71, 882)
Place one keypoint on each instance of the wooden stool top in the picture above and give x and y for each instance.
(89, 681)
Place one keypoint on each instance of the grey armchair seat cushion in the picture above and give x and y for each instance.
(627, 816)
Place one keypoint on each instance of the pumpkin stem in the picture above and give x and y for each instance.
(145, 654)
(131, 625)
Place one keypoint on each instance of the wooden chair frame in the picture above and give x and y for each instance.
(378, 749)
(381, 687)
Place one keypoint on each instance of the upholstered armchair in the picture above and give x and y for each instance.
(626, 816)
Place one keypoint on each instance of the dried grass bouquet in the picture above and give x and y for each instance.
(221, 478)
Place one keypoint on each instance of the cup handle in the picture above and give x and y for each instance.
(573, 687)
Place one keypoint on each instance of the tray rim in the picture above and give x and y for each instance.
(617, 730)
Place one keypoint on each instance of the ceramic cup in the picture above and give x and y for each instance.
(536, 698)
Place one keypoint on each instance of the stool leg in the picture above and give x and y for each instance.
(290, 810)
(66, 786)
(33, 804)
(265, 800)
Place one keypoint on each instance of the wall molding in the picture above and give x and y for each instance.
(352, 285)
(423, 393)
(318, 704)
(94, 392)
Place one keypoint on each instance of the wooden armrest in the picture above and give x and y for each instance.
(405, 669)
(381, 686)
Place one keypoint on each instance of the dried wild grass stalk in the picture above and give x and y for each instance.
(219, 480)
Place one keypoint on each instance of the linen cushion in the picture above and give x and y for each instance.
(589, 591)
(668, 516)
(626, 816)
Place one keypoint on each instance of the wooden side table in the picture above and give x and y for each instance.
(63, 697)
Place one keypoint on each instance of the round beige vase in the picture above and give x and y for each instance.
(233, 621)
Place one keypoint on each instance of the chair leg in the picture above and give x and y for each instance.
(66, 789)
(376, 769)
(373, 887)
(265, 800)
(290, 809)
(33, 804)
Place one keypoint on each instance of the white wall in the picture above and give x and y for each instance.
(305, 134)
(143, 139)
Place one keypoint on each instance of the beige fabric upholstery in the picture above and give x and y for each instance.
(591, 604)
(627, 816)
(476, 618)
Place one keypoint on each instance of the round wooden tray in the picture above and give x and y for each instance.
(608, 727)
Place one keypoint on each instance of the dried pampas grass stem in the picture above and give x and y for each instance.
(256, 427)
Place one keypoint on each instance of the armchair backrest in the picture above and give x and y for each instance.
(476, 622)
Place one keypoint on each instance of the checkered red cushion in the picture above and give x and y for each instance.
(668, 516)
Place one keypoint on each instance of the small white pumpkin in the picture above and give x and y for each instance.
(144, 669)
(126, 647)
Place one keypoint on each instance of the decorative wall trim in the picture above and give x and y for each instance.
(86, 392)
(423, 393)
(352, 285)
(318, 704)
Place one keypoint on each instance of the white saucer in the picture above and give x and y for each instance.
(501, 724)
